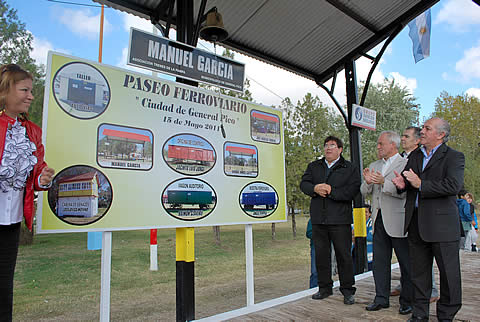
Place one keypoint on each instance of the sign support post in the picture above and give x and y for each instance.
(249, 264)
(106, 276)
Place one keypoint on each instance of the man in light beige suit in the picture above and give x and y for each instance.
(388, 215)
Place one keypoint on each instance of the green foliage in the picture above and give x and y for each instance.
(463, 114)
(396, 109)
(306, 125)
(16, 47)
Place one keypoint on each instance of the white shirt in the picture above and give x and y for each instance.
(329, 165)
(387, 163)
(12, 204)
(11, 201)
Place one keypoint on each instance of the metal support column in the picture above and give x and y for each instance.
(360, 250)
(185, 264)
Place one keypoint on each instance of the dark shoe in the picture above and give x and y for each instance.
(417, 319)
(474, 248)
(405, 309)
(376, 306)
(321, 295)
(349, 299)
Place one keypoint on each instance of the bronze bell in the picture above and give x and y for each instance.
(213, 29)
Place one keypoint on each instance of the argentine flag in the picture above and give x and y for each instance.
(420, 35)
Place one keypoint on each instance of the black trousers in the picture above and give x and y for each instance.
(448, 262)
(383, 245)
(9, 235)
(340, 236)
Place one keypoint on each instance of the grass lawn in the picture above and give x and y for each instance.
(58, 279)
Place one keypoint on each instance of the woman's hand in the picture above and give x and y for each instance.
(46, 176)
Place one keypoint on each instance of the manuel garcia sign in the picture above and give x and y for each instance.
(163, 55)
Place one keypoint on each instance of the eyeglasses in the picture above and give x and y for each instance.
(331, 146)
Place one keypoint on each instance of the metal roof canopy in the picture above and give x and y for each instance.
(311, 38)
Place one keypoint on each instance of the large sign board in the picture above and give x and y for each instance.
(136, 152)
(364, 117)
(159, 54)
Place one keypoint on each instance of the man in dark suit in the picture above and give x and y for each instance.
(432, 178)
(332, 182)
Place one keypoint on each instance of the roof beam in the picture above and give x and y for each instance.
(352, 14)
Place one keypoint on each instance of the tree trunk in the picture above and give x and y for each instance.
(26, 236)
(294, 223)
(216, 234)
(273, 231)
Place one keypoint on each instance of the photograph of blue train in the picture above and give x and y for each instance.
(264, 127)
(189, 154)
(258, 199)
(81, 90)
(189, 199)
(240, 160)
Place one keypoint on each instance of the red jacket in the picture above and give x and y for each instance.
(34, 133)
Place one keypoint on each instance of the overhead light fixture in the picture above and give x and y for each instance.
(213, 29)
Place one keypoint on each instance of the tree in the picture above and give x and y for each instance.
(16, 47)
(462, 112)
(306, 125)
(396, 109)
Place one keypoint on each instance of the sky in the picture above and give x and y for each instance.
(453, 65)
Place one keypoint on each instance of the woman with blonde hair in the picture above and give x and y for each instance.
(22, 169)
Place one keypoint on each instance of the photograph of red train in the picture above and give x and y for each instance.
(189, 154)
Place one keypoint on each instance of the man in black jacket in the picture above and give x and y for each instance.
(332, 182)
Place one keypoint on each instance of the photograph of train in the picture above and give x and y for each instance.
(80, 195)
(124, 147)
(189, 154)
(264, 127)
(81, 90)
(258, 200)
(240, 159)
(189, 199)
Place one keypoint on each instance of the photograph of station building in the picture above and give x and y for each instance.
(80, 195)
(124, 147)
(81, 90)
(264, 127)
(240, 160)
